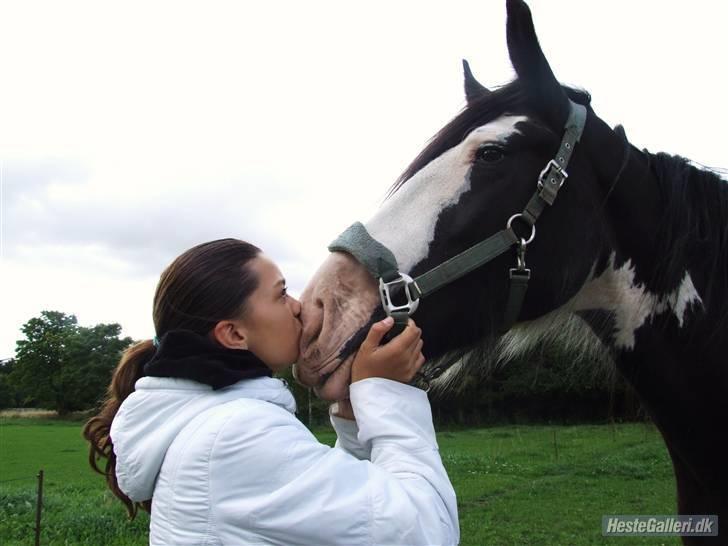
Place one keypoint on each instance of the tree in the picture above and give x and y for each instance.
(9, 394)
(65, 366)
(94, 353)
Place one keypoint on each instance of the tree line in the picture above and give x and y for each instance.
(63, 366)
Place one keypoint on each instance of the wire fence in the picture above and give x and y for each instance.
(39, 500)
(34, 477)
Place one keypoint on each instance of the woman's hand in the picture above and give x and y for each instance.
(399, 360)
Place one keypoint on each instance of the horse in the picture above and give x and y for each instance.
(624, 253)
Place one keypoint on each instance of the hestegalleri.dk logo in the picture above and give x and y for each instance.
(694, 525)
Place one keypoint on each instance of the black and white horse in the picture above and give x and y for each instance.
(632, 257)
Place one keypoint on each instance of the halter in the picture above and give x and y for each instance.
(382, 264)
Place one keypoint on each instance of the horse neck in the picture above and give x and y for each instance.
(653, 270)
(673, 351)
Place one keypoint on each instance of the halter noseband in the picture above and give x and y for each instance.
(382, 264)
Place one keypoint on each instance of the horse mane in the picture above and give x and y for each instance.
(509, 98)
(694, 226)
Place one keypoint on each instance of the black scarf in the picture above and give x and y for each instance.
(184, 354)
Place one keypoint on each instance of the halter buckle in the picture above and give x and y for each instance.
(407, 282)
(550, 180)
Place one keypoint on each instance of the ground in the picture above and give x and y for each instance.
(515, 484)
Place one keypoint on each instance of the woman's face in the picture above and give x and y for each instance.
(271, 322)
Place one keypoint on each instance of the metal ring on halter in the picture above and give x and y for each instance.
(533, 228)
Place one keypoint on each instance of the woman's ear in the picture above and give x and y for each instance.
(230, 334)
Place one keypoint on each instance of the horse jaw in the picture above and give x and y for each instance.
(338, 301)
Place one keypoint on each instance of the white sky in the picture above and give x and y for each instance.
(129, 133)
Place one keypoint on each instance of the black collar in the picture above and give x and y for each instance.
(184, 354)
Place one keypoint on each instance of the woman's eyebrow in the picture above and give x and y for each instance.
(280, 282)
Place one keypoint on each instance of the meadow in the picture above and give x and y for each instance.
(515, 484)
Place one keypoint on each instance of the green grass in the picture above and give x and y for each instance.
(77, 508)
(513, 485)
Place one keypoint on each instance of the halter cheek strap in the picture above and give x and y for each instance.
(549, 183)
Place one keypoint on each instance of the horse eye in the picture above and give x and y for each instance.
(490, 154)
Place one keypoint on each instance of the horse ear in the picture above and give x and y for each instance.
(473, 88)
(531, 65)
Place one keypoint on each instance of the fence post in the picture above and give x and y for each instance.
(38, 508)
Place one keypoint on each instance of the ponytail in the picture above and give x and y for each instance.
(96, 430)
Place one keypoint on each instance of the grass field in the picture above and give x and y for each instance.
(516, 485)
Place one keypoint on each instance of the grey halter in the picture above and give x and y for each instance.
(382, 264)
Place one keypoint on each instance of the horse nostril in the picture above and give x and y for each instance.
(318, 302)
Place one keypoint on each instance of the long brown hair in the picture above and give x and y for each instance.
(206, 284)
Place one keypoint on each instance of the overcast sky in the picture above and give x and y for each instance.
(129, 134)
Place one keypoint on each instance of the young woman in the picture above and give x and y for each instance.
(196, 430)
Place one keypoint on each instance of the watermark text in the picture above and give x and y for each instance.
(683, 525)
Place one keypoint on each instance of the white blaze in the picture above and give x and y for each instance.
(406, 222)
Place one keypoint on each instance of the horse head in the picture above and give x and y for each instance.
(475, 174)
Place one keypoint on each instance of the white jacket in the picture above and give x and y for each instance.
(235, 466)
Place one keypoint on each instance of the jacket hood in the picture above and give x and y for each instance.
(152, 416)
